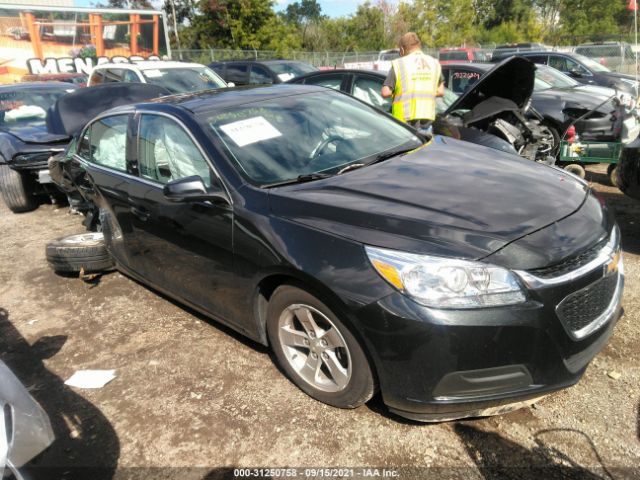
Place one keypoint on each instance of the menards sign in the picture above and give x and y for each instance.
(67, 40)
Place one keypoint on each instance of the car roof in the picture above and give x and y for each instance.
(148, 65)
(11, 87)
(376, 73)
(267, 62)
(223, 98)
(479, 66)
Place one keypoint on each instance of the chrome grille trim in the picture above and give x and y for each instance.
(605, 255)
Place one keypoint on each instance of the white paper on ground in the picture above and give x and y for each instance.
(251, 130)
(91, 378)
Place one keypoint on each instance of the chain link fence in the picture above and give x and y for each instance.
(617, 56)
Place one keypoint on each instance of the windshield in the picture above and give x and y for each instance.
(591, 64)
(27, 107)
(540, 84)
(444, 102)
(183, 80)
(554, 77)
(287, 71)
(280, 139)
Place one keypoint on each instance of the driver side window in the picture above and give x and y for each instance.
(167, 153)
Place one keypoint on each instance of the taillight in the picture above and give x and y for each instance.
(570, 136)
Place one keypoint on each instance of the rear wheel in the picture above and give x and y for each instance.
(612, 172)
(84, 252)
(577, 170)
(17, 191)
(316, 350)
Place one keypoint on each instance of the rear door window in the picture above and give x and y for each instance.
(108, 142)
(367, 88)
(259, 75)
(166, 152)
(332, 80)
(237, 73)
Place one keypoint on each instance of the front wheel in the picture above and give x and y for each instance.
(316, 350)
(17, 191)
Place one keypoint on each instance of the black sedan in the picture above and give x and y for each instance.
(260, 72)
(32, 129)
(366, 256)
(584, 69)
(559, 106)
(25, 144)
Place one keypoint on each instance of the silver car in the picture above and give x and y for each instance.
(25, 429)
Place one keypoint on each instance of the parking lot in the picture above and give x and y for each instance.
(193, 399)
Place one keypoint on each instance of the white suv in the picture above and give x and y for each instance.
(177, 77)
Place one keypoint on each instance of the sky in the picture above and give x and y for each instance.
(333, 8)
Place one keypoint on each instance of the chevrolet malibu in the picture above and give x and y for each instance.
(367, 257)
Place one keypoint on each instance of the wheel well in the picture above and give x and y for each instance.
(268, 285)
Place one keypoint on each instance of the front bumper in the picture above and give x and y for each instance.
(436, 365)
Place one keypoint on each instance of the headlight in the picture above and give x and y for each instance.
(446, 283)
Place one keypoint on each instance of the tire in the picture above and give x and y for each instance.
(341, 375)
(612, 173)
(16, 191)
(84, 252)
(577, 170)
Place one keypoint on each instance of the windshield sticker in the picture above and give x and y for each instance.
(251, 130)
(286, 76)
(152, 73)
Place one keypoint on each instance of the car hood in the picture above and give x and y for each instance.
(448, 198)
(36, 134)
(512, 79)
(587, 100)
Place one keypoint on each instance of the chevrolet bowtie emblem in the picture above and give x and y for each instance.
(612, 266)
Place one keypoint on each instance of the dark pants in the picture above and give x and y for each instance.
(423, 126)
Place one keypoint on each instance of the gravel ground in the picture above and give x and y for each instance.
(193, 399)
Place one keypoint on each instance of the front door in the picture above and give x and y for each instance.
(187, 248)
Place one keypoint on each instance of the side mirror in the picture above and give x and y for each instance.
(193, 189)
(575, 73)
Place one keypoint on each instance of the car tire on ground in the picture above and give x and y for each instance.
(316, 350)
(612, 173)
(16, 191)
(84, 252)
(556, 138)
(577, 170)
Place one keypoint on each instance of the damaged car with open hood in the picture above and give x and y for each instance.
(368, 257)
(499, 103)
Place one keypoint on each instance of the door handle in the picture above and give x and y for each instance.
(141, 212)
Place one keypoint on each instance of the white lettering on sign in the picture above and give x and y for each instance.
(37, 66)
(251, 130)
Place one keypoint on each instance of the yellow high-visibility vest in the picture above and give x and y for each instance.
(417, 80)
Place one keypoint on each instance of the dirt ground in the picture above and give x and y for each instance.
(194, 400)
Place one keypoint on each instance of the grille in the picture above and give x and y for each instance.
(570, 264)
(581, 308)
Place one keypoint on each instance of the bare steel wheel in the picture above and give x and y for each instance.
(316, 350)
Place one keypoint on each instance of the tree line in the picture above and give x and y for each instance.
(376, 25)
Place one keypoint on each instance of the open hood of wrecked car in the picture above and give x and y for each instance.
(512, 79)
(71, 112)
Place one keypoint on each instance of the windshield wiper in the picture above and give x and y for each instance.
(393, 153)
(307, 177)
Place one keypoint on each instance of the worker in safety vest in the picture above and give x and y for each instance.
(414, 81)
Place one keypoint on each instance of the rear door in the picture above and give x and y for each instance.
(100, 169)
(185, 248)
